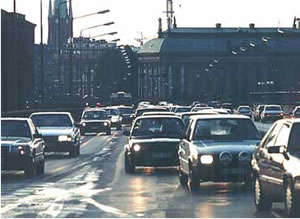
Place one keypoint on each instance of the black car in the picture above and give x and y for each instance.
(153, 141)
(95, 120)
(126, 113)
(217, 148)
(276, 167)
(22, 147)
(59, 131)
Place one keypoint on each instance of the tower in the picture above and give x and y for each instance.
(59, 15)
(169, 13)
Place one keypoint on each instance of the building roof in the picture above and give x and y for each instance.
(223, 40)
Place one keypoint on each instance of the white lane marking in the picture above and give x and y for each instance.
(98, 159)
(275, 214)
(107, 209)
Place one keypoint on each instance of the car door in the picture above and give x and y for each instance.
(264, 163)
(184, 150)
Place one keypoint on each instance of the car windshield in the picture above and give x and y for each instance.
(293, 144)
(94, 115)
(158, 127)
(49, 120)
(126, 110)
(141, 111)
(112, 112)
(225, 130)
(245, 109)
(11, 128)
(182, 109)
(273, 108)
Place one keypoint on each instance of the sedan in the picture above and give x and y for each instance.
(217, 148)
(153, 141)
(276, 168)
(59, 131)
(22, 147)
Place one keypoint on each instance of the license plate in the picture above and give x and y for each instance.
(161, 155)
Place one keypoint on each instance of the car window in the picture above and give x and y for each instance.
(12, 128)
(273, 108)
(57, 120)
(270, 139)
(283, 136)
(293, 144)
(93, 115)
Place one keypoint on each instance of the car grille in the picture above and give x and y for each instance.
(50, 139)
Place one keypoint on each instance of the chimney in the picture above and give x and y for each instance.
(218, 25)
(252, 26)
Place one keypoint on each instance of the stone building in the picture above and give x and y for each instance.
(230, 64)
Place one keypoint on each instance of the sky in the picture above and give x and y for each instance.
(134, 18)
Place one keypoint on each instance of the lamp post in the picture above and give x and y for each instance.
(42, 51)
(80, 47)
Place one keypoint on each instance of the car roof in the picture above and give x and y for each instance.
(53, 113)
(159, 117)
(272, 105)
(220, 116)
(94, 109)
(15, 119)
(245, 106)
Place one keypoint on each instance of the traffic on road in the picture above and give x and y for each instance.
(202, 163)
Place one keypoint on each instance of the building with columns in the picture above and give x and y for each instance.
(229, 64)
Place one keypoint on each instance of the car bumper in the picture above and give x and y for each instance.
(59, 146)
(14, 162)
(95, 129)
(271, 118)
(115, 124)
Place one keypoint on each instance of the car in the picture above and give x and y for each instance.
(217, 148)
(140, 111)
(95, 120)
(271, 113)
(59, 131)
(115, 117)
(276, 168)
(295, 112)
(257, 112)
(22, 147)
(126, 113)
(244, 110)
(153, 141)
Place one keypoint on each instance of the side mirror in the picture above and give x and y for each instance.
(126, 133)
(278, 150)
(37, 135)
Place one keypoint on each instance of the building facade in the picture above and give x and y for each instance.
(230, 64)
(17, 40)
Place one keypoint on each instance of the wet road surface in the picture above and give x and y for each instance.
(96, 185)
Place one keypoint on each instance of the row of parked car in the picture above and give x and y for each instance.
(211, 146)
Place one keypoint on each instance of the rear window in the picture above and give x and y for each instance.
(126, 110)
(273, 108)
(225, 129)
(245, 109)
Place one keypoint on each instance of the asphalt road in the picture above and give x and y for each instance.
(96, 185)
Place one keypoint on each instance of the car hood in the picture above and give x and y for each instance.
(54, 131)
(154, 140)
(216, 147)
(8, 141)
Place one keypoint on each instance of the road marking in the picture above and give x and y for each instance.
(275, 214)
(107, 209)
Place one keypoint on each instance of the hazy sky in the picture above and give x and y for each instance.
(132, 17)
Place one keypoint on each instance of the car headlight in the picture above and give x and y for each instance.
(206, 159)
(84, 124)
(105, 124)
(62, 138)
(136, 147)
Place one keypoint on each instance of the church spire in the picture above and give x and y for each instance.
(50, 9)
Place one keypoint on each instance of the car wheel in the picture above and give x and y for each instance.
(30, 169)
(108, 132)
(129, 166)
(261, 200)
(183, 179)
(193, 179)
(290, 201)
(41, 167)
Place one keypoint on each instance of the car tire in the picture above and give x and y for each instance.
(30, 170)
(193, 179)
(40, 169)
(183, 179)
(261, 200)
(290, 208)
(108, 132)
(129, 166)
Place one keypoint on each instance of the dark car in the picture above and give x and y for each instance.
(153, 141)
(217, 148)
(115, 117)
(22, 147)
(126, 113)
(276, 167)
(59, 131)
(95, 120)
